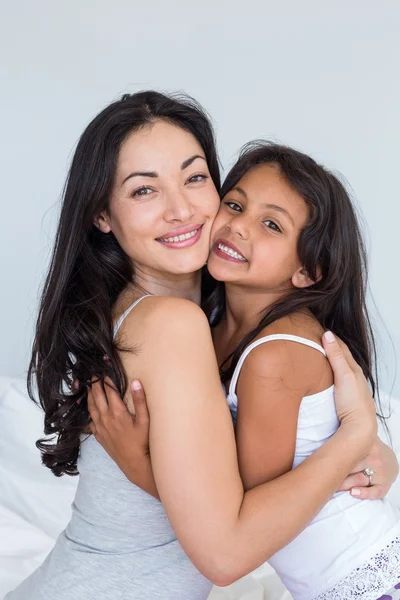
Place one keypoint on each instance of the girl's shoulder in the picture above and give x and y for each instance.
(289, 361)
(299, 324)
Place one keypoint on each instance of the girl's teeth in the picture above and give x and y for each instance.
(230, 252)
(180, 238)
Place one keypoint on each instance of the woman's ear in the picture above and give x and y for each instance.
(301, 278)
(102, 222)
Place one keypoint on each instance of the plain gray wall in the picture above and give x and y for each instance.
(322, 76)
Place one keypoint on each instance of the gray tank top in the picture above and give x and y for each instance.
(119, 544)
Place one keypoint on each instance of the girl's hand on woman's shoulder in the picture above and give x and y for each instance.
(125, 437)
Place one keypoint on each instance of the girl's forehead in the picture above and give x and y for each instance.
(265, 185)
(267, 180)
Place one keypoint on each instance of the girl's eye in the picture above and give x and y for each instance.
(271, 225)
(142, 191)
(233, 206)
(197, 178)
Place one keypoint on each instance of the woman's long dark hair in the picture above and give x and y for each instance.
(330, 243)
(88, 271)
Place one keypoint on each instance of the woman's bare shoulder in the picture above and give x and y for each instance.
(164, 315)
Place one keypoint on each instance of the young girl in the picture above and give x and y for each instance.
(287, 246)
(139, 204)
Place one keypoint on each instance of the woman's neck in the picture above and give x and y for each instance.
(187, 285)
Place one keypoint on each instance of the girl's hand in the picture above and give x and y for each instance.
(354, 403)
(124, 436)
(382, 460)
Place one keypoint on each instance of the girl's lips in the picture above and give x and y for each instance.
(192, 234)
(220, 248)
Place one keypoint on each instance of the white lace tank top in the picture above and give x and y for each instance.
(351, 550)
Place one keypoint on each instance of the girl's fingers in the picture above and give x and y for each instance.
(93, 428)
(115, 402)
(99, 397)
(140, 404)
(94, 413)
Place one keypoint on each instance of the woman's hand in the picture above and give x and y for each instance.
(355, 406)
(124, 436)
(382, 460)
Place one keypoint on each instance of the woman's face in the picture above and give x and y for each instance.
(163, 202)
(255, 234)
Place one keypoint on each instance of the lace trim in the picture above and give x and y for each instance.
(371, 579)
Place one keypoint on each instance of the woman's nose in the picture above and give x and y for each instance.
(179, 208)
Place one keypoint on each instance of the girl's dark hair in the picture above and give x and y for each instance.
(88, 271)
(330, 243)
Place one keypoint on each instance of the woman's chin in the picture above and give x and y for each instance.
(185, 266)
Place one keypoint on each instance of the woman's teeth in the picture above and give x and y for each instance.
(180, 238)
(230, 252)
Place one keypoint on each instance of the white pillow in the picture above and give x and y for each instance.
(28, 488)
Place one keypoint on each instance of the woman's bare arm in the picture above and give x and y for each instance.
(226, 532)
(126, 439)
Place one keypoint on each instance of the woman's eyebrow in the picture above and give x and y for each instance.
(140, 174)
(186, 163)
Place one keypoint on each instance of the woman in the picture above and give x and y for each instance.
(136, 219)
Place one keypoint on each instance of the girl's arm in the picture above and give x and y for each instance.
(273, 381)
(267, 418)
(226, 532)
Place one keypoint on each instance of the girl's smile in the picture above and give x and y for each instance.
(255, 234)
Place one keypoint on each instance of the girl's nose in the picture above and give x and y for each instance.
(238, 226)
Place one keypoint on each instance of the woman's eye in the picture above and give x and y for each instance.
(271, 225)
(233, 206)
(197, 178)
(142, 191)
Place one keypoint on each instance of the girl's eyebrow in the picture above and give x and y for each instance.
(279, 209)
(186, 163)
(273, 206)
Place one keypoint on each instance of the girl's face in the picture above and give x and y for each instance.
(163, 202)
(254, 237)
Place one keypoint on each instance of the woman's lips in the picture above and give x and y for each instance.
(183, 237)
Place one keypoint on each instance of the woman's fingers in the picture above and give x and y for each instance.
(353, 364)
(375, 492)
(336, 354)
(358, 486)
(353, 481)
(140, 403)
